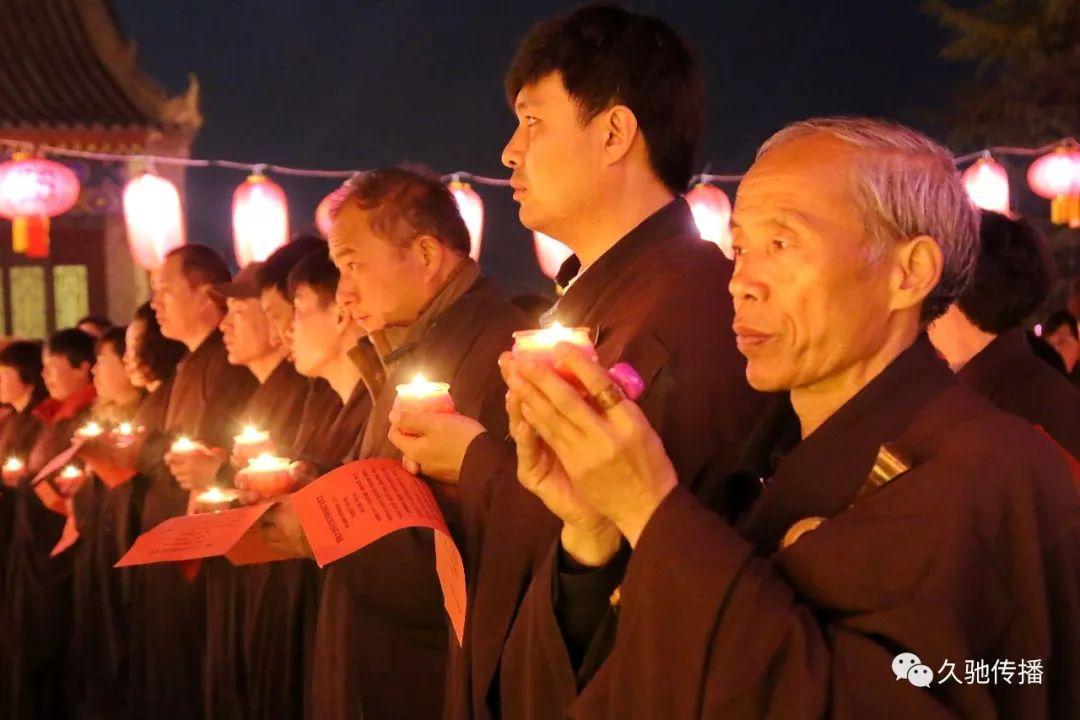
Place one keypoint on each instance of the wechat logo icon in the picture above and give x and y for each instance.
(908, 666)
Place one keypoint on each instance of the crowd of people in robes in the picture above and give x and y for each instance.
(832, 477)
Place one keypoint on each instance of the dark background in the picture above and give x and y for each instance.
(361, 84)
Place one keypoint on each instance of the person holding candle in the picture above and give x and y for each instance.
(407, 281)
(36, 617)
(205, 397)
(608, 107)
(272, 409)
(282, 598)
(894, 511)
(99, 646)
(21, 388)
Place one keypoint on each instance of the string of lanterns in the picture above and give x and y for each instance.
(34, 189)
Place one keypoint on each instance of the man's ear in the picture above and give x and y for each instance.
(620, 128)
(432, 253)
(917, 271)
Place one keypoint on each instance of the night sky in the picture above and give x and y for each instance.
(361, 84)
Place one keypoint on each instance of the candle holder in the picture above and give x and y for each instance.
(216, 499)
(422, 395)
(251, 443)
(14, 468)
(539, 345)
(69, 480)
(266, 475)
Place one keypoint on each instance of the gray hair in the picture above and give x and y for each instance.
(908, 186)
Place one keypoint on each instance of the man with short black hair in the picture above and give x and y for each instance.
(608, 106)
(1061, 332)
(983, 339)
(206, 395)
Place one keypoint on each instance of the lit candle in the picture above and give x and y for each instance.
(422, 395)
(68, 480)
(540, 344)
(125, 428)
(216, 499)
(251, 442)
(13, 470)
(184, 444)
(267, 475)
(90, 430)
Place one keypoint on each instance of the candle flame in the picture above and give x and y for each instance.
(251, 434)
(422, 387)
(91, 429)
(13, 464)
(215, 495)
(125, 428)
(71, 471)
(266, 461)
(183, 444)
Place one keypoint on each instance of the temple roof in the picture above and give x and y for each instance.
(66, 68)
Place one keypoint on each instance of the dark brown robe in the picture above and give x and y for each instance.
(168, 614)
(275, 407)
(101, 594)
(37, 676)
(382, 635)
(657, 300)
(1009, 374)
(971, 552)
(282, 598)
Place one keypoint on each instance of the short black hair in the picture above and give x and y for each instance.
(274, 272)
(405, 203)
(114, 337)
(74, 344)
(1012, 274)
(317, 272)
(24, 356)
(607, 56)
(99, 321)
(201, 264)
(157, 354)
(1058, 320)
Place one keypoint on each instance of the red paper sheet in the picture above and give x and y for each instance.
(356, 504)
(68, 537)
(230, 533)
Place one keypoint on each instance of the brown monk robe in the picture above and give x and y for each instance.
(380, 647)
(656, 301)
(967, 549)
(36, 616)
(274, 407)
(99, 640)
(282, 598)
(1009, 374)
(168, 611)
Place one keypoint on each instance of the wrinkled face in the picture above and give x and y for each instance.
(279, 312)
(808, 303)
(1067, 346)
(318, 332)
(62, 380)
(246, 331)
(557, 162)
(176, 303)
(133, 339)
(381, 284)
(12, 388)
(110, 378)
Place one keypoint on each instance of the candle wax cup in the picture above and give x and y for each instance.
(268, 476)
(217, 498)
(539, 345)
(251, 443)
(184, 445)
(423, 396)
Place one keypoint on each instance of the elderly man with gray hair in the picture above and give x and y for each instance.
(895, 546)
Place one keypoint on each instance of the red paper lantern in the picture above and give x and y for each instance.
(1057, 176)
(471, 208)
(712, 215)
(987, 185)
(260, 219)
(154, 219)
(550, 254)
(32, 190)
